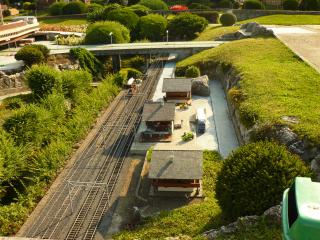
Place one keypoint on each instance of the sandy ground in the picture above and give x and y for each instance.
(302, 40)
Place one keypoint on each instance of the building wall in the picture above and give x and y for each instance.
(172, 95)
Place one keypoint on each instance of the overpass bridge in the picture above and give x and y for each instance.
(181, 49)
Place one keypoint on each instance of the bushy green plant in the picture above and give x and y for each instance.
(225, 4)
(211, 16)
(109, 8)
(56, 8)
(70, 40)
(30, 55)
(228, 19)
(149, 154)
(94, 7)
(75, 82)
(254, 177)
(75, 8)
(252, 4)
(43, 80)
(192, 72)
(130, 72)
(140, 10)
(87, 60)
(236, 5)
(124, 16)
(95, 15)
(152, 27)
(290, 4)
(42, 48)
(187, 136)
(154, 4)
(186, 26)
(136, 62)
(309, 5)
(99, 32)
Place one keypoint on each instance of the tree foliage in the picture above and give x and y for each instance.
(140, 10)
(152, 27)
(309, 5)
(253, 4)
(124, 16)
(154, 4)
(99, 32)
(290, 4)
(75, 8)
(56, 8)
(254, 177)
(33, 54)
(186, 26)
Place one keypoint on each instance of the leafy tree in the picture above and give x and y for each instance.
(225, 4)
(75, 8)
(43, 80)
(290, 4)
(192, 72)
(99, 32)
(124, 16)
(253, 178)
(140, 10)
(309, 5)
(253, 4)
(56, 8)
(228, 19)
(94, 7)
(154, 4)
(152, 27)
(186, 26)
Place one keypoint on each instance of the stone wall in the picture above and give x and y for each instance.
(11, 81)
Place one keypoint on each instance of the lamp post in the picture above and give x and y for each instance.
(167, 35)
(110, 34)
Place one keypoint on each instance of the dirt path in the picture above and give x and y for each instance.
(302, 40)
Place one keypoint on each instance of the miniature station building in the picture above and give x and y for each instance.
(177, 89)
(158, 118)
(179, 171)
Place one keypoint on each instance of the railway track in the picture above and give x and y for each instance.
(73, 213)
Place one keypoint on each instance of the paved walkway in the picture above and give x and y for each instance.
(14, 94)
(302, 40)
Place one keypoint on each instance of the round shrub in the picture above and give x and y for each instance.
(124, 16)
(253, 178)
(152, 27)
(253, 4)
(225, 4)
(186, 26)
(211, 16)
(32, 54)
(96, 15)
(140, 10)
(56, 8)
(154, 4)
(99, 33)
(192, 72)
(75, 8)
(309, 5)
(94, 7)
(109, 8)
(228, 19)
(290, 4)
(43, 79)
(130, 72)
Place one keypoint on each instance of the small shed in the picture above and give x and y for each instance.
(176, 170)
(178, 89)
(158, 118)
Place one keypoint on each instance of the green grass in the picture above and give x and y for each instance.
(212, 32)
(61, 21)
(281, 19)
(275, 82)
(194, 219)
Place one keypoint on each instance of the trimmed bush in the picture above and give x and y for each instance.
(87, 61)
(124, 16)
(152, 27)
(309, 5)
(98, 33)
(75, 8)
(290, 4)
(154, 4)
(225, 4)
(94, 7)
(192, 72)
(186, 26)
(253, 178)
(140, 10)
(33, 54)
(96, 15)
(252, 4)
(211, 16)
(136, 62)
(43, 80)
(236, 5)
(130, 72)
(56, 8)
(228, 19)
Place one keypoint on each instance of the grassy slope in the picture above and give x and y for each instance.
(212, 32)
(194, 219)
(281, 19)
(275, 82)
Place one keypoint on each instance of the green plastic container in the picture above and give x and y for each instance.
(301, 210)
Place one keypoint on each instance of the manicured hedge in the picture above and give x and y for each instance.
(152, 27)
(124, 16)
(253, 4)
(154, 4)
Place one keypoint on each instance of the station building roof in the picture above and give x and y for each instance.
(176, 165)
(176, 85)
(158, 112)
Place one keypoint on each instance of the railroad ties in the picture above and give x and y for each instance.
(76, 208)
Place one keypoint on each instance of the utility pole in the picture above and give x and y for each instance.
(1, 15)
